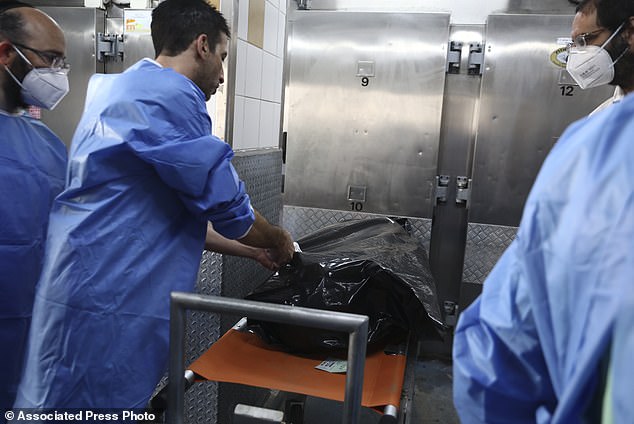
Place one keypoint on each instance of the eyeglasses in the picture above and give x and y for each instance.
(53, 60)
(582, 40)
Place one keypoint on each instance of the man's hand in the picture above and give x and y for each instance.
(276, 240)
(265, 259)
(283, 253)
(217, 243)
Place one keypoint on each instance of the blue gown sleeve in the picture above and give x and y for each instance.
(529, 350)
(206, 181)
(497, 336)
(168, 129)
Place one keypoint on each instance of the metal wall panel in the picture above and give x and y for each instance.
(301, 221)
(80, 25)
(525, 104)
(485, 244)
(462, 11)
(468, 7)
(203, 329)
(261, 172)
(382, 136)
(455, 156)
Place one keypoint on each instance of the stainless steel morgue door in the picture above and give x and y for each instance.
(364, 101)
(527, 101)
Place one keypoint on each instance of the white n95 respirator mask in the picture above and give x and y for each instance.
(43, 87)
(591, 66)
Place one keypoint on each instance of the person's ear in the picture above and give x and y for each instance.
(7, 54)
(202, 45)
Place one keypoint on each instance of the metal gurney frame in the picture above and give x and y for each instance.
(355, 325)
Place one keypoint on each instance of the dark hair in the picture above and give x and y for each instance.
(585, 6)
(176, 23)
(11, 4)
(12, 26)
(610, 13)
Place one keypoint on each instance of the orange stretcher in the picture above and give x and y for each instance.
(242, 357)
(374, 380)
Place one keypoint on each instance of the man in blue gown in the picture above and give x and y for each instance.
(535, 346)
(32, 168)
(145, 177)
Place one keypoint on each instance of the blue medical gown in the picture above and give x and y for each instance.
(528, 349)
(145, 175)
(621, 363)
(32, 168)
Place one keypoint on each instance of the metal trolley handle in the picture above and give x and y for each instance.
(355, 325)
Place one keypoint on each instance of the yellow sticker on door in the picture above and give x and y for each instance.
(559, 57)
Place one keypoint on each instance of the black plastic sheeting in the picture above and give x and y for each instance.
(370, 267)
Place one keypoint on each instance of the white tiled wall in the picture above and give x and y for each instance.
(251, 133)
(253, 74)
(270, 27)
(269, 76)
(256, 122)
(243, 19)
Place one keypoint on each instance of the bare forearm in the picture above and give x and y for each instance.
(269, 258)
(217, 243)
(276, 240)
(263, 234)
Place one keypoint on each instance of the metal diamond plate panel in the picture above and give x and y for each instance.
(261, 171)
(201, 402)
(210, 402)
(300, 221)
(203, 329)
(485, 245)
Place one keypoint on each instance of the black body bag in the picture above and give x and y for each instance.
(369, 267)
